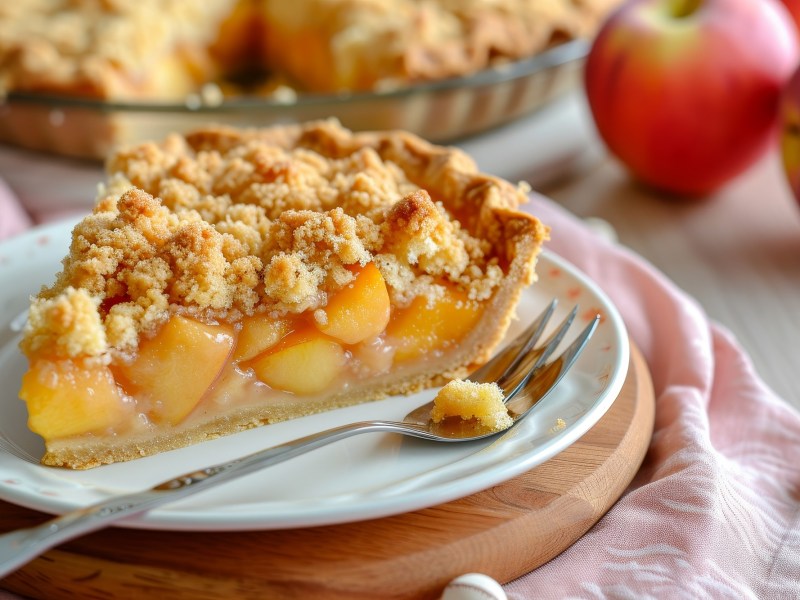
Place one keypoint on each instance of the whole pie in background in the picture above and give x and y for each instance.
(166, 49)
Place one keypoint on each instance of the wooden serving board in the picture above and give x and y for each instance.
(504, 531)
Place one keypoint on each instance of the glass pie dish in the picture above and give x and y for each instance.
(441, 111)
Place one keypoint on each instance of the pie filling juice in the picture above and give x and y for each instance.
(190, 368)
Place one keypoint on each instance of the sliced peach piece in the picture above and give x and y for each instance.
(235, 44)
(426, 326)
(305, 362)
(176, 367)
(360, 310)
(259, 333)
(66, 399)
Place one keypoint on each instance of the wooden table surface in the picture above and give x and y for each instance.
(736, 252)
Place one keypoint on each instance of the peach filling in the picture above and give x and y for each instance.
(189, 365)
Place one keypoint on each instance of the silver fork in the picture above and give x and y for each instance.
(520, 370)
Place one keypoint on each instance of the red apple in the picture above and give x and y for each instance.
(790, 132)
(686, 92)
(794, 10)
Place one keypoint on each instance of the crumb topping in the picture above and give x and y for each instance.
(469, 400)
(65, 325)
(233, 228)
(104, 48)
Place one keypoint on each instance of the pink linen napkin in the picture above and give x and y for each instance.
(715, 510)
(13, 218)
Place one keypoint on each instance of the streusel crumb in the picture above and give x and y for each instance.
(106, 48)
(469, 400)
(225, 223)
(68, 325)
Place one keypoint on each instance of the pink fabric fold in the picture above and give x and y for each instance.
(715, 509)
(13, 218)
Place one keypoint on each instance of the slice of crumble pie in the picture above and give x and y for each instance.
(229, 279)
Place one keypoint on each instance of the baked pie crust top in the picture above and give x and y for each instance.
(225, 223)
(167, 48)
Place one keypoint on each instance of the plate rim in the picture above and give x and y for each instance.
(163, 518)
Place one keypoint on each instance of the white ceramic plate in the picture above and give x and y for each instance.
(369, 476)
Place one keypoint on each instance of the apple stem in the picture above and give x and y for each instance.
(684, 8)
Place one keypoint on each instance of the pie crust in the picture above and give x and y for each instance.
(226, 225)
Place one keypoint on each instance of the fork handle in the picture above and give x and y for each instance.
(22, 545)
